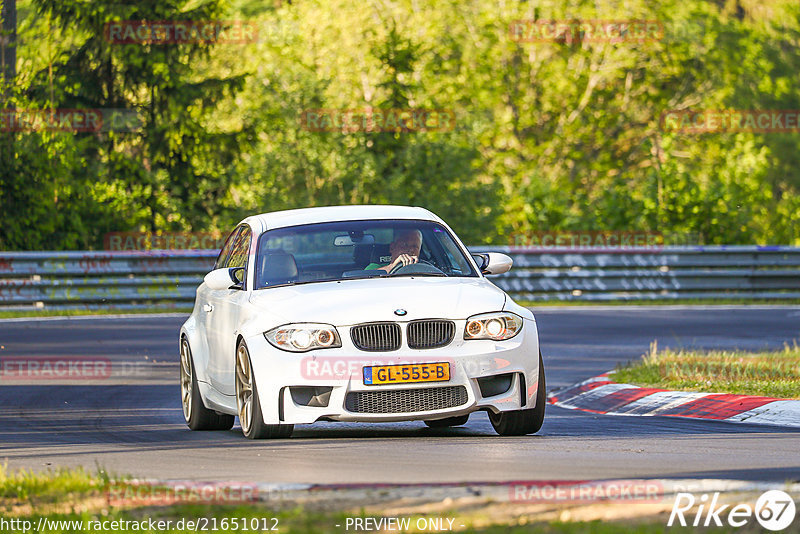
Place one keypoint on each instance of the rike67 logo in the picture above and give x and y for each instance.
(774, 510)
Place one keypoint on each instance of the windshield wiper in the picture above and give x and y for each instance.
(363, 277)
(302, 282)
(299, 283)
(418, 274)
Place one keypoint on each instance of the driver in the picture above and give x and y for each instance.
(404, 250)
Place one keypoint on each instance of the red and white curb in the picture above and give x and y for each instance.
(601, 394)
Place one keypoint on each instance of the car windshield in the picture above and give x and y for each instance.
(357, 249)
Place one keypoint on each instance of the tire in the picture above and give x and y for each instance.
(448, 421)
(196, 415)
(522, 422)
(247, 401)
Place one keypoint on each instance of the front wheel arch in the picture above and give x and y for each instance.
(248, 402)
(196, 415)
(522, 422)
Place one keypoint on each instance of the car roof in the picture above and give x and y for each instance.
(281, 219)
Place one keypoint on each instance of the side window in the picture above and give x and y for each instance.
(241, 247)
(226, 250)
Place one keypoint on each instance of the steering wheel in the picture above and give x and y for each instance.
(421, 267)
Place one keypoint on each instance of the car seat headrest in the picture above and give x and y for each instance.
(277, 267)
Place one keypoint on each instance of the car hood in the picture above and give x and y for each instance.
(357, 301)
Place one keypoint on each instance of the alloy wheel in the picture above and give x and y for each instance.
(244, 388)
(186, 380)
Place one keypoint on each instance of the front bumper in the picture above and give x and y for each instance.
(338, 373)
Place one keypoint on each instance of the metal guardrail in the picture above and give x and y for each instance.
(168, 279)
(669, 273)
(161, 279)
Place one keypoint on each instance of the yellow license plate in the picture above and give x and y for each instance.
(406, 373)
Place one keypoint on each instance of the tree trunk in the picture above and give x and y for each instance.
(8, 42)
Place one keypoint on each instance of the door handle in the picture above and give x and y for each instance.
(208, 308)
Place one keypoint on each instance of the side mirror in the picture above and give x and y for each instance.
(225, 278)
(481, 259)
(493, 262)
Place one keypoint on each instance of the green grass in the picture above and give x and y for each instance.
(771, 374)
(50, 485)
(643, 302)
(299, 521)
(70, 313)
(79, 496)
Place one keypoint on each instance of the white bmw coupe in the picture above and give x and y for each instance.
(356, 313)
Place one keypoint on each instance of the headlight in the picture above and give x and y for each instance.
(497, 326)
(304, 337)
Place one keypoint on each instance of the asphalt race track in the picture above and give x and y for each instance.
(131, 421)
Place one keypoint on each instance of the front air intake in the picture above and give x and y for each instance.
(430, 333)
(376, 337)
(406, 400)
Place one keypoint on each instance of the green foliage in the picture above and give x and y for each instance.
(548, 135)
